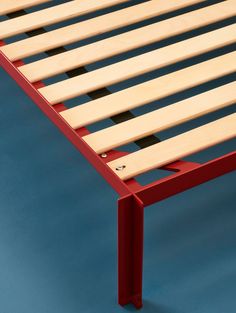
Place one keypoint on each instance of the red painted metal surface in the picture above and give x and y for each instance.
(130, 250)
(133, 196)
(187, 178)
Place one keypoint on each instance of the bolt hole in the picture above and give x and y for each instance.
(120, 168)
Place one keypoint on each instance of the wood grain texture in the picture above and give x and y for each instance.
(99, 25)
(124, 42)
(159, 120)
(176, 148)
(9, 6)
(52, 15)
(141, 64)
(149, 91)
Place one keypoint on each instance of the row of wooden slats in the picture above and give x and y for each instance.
(162, 119)
(106, 139)
(139, 65)
(52, 15)
(127, 41)
(175, 148)
(149, 91)
(92, 27)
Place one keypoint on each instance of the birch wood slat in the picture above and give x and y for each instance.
(175, 148)
(155, 89)
(9, 6)
(99, 25)
(52, 15)
(159, 120)
(127, 41)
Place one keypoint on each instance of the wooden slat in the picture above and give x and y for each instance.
(8, 6)
(92, 27)
(175, 148)
(124, 42)
(52, 15)
(142, 64)
(149, 91)
(159, 120)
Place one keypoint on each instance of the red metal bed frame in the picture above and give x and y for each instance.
(133, 196)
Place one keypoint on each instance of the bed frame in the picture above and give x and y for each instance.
(118, 167)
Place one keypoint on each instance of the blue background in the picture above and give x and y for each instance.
(58, 227)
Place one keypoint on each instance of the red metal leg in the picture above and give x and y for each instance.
(130, 250)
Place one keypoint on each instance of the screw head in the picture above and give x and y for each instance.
(120, 168)
(103, 155)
